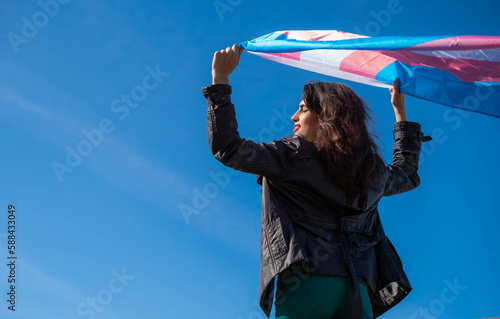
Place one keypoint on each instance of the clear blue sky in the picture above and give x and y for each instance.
(120, 83)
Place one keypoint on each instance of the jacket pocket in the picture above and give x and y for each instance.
(275, 239)
(361, 242)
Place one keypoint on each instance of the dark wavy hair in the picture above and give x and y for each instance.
(343, 137)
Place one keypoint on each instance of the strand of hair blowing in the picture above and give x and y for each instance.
(343, 137)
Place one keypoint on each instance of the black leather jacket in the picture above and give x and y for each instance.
(307, 218)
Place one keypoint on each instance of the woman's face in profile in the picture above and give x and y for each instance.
(306, 122)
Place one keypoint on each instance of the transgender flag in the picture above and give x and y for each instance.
(458, 71)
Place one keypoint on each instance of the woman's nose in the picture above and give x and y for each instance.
(295, 118)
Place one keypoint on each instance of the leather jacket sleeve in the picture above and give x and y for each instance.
(268, 159)
(402, 175)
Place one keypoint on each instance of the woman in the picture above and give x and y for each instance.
(321, 232)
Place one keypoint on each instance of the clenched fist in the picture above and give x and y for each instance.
(224, 63)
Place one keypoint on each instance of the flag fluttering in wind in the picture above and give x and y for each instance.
(458, 71)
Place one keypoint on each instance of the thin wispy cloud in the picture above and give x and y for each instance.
(13, 99)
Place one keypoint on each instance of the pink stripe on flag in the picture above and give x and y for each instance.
(291, 56)
(464, 42)
(320, 35)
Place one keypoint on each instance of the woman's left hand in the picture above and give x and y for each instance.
(224, 63)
